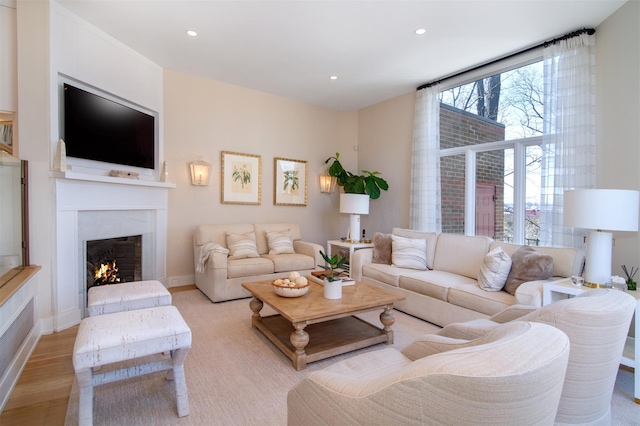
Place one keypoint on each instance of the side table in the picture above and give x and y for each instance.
(348, 245)
(563, 289)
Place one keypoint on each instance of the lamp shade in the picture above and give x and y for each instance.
(327, 183)
(604, 209)
(200, 171)
(354, 203)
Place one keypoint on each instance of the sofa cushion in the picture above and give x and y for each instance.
(382, 248)
(434, 284)
(290, 262)
(248, 267)
(409, 252)
(242, 245)
(474, 298)
(431, 237)
(567, 261)
(280, 242)
(494, 270)
(261, 230)
(460, 254)
(528, 265)
(387, 274)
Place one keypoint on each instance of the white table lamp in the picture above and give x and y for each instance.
(355, 205)
(600, 210)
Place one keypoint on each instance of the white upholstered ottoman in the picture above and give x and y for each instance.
(121, 336)
(106, 299)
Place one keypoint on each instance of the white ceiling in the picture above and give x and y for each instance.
(291, 48)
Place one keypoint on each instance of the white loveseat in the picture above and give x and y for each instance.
(448, 291)
(220, 276)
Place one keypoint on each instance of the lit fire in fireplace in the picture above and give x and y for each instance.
(106, 273)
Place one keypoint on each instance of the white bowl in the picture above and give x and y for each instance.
(286, 291)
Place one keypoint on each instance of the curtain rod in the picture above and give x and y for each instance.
(589, 31)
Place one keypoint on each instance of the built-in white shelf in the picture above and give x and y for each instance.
(109, 179)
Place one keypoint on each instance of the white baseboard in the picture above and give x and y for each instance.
(180, 281)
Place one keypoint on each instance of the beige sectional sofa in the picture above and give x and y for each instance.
(219, 274)
(448, 291)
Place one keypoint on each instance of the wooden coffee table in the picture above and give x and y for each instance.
(322, 328)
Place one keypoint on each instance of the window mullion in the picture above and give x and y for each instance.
(470, 193)
(519, 193)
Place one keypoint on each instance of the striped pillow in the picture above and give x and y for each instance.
(409, 252)
(242, 245)
(280, 242)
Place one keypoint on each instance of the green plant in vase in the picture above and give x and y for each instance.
(631, 284)
(334, 264)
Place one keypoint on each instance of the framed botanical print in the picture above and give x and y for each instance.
(241, 181)
(290, 182)
(6, 136)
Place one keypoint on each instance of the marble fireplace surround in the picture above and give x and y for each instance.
(91, 207)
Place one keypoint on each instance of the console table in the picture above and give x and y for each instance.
(563, 289)
(348, 245)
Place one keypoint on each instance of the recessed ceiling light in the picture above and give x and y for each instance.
(192, 33)
(334, 77)
(421, 31)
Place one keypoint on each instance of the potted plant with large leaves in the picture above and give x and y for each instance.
(369, 183)
(332, 282)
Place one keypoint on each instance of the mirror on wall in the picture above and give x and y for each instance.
(14, 229)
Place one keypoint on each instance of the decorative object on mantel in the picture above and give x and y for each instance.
(60, 162)
(124, 174)
(200, 172)
(164, 174)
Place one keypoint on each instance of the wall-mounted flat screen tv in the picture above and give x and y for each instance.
(100, 129)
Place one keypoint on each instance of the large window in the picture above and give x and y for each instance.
(491, 155)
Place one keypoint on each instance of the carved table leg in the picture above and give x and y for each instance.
(387, 319)
(299, 339)
(256, 306)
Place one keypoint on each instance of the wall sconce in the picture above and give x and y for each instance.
(200, 171)
(327, 183)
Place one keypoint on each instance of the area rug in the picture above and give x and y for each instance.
(235, 376)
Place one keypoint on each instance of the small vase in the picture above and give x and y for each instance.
(332, 289)
(631, 285)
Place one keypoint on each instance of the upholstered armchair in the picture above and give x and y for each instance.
(597, 323)
(512, 375)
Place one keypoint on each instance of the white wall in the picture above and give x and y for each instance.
(204, 117)
(618, 116)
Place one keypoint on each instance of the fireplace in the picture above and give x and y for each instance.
(91, 208)
(114, 260)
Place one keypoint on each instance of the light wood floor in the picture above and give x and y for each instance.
(42, 393)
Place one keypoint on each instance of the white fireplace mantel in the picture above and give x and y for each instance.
(128, 206)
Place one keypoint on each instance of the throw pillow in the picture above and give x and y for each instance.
(494, 270)
(280, 242)
(409, 252)
(527, 265)
(242, 245)
(382, 248)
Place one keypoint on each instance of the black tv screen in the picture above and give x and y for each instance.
(99, 129)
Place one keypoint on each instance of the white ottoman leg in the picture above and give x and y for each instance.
(85, 405)
(180, 382)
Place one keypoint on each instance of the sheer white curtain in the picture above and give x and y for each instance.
(424, 209)
(569, 132)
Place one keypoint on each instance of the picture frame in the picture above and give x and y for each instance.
(241, 178)
(290, 182)
(6, 136)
